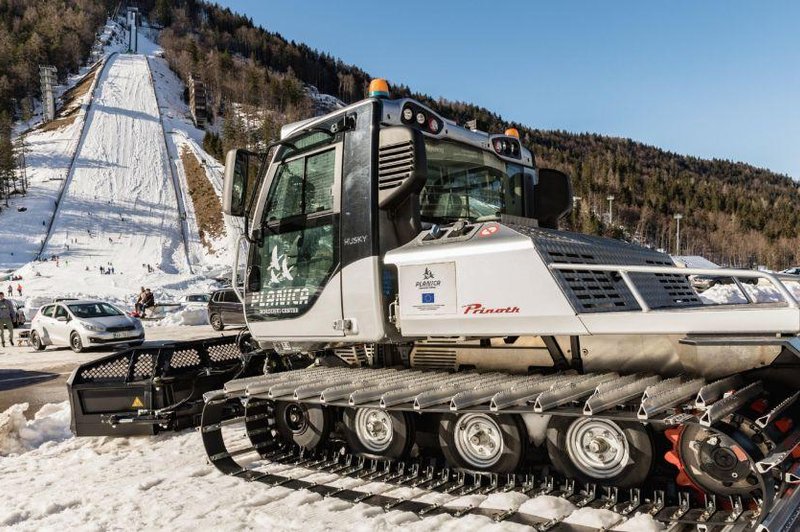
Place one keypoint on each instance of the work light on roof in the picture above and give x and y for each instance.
(378, 88)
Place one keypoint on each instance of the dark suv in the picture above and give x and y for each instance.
(224, 308)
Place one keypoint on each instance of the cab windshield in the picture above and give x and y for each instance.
(468, 183)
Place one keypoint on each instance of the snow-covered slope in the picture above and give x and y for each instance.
(125, 204)
(120, 187)
(120, 207)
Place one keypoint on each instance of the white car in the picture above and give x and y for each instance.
(83, 323)
(195, 300)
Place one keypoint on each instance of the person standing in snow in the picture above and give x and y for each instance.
(19, 290)
(7, 315)
(10, 290)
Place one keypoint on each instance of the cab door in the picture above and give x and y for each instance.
(293, 287)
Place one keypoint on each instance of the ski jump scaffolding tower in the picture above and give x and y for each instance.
(133, 29)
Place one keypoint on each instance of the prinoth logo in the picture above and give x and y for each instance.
(478, 308)
(279, 269)
(428, 280)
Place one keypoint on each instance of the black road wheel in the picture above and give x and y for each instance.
(375, 432)
(75, 342)
(306, 425)
(483, 442)
(216, 322)
(36, 341)
(600, 450)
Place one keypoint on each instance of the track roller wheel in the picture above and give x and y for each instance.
(305, 425)
(600, 450)
(483, 442)
(375, 432)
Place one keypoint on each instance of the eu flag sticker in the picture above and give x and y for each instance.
(428, 297)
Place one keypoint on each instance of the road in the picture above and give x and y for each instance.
(40, 377)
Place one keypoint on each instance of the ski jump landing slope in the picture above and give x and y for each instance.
(120, 205)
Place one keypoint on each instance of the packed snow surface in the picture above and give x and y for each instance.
(52, 480)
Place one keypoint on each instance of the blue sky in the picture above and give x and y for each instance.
(717, 78)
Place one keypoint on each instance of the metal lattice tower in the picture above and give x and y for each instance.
(133, 29)
(48, 77)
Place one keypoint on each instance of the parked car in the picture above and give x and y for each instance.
(795, 270)
(225, 309)
(192, 300)
(80, 324)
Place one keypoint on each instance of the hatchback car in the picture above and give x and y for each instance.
(225, 309)
(84, 323)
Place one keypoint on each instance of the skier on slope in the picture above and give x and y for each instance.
(19, 289)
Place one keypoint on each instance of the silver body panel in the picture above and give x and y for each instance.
(499, 272)
(505, 271)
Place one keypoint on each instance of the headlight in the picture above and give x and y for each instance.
(92, 327)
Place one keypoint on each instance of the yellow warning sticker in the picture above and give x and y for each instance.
(137, 403)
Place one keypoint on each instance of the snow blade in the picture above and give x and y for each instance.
(149, 389)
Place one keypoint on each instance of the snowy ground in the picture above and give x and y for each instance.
(124, 485)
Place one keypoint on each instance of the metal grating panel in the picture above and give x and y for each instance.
(395, 164)
(144, 365)
(185, 358)
(433, 358)
(113, 369)
(596, 291)
(220, 353)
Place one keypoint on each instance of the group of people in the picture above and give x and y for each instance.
(145, 301)
(107, 270)
(150, 269)
(11, 290)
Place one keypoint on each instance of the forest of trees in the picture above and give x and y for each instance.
(734, 213)
(43, 32)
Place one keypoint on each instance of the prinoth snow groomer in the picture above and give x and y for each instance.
(429, 327)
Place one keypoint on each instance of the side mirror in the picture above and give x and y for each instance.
(552, 197)
(241, 167)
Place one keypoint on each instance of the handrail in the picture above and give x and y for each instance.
(624, 270)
